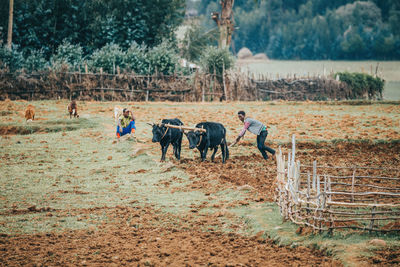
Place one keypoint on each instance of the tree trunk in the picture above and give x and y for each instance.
(225, 23)
(10, 24)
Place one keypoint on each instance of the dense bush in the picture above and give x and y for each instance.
(43, 24)
(108, 57)
(34, 61)
(136, 59)
(10, 59)
(162, 59)
(216, 59)
(363, 84)
(68, 54)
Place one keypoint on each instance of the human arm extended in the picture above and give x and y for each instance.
(243, 131)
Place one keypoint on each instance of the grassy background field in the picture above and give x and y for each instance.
(55, 171)
(389, 70)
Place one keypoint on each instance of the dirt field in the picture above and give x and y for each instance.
(388, 70)
(71, 195)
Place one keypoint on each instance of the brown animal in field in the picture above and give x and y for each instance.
(73, 109)
(30, 113)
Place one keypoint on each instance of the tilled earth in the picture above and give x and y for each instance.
(147, 237)
(254, 173)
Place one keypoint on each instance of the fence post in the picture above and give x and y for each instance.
(314, 174)
(318, 189)
(214, 84)
(298, 177)
(371, 225)
(101, 84)
(293, 148)
(329, 188)
(308, 195)
(223, 80)
(352, 185)
(203, 97)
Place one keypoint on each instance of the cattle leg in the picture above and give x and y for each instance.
(179, 146)
(226, 151)
(204, 155)
(201, 154)
(164, 151)
(213, 154)
(223, 152)
(176, 151)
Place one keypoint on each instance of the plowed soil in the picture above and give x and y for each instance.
(254, 173)
(135, 236)
(148, 236)
(387, 257)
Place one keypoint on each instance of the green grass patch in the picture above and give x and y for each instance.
(344, 245)
(49, 126)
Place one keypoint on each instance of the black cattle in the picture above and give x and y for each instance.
(214, 136)
(166, 136)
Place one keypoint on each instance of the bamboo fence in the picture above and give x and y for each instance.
(311, 196)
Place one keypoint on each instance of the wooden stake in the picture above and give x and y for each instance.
(314, 174)
(223, 79)
(371, 225)
(352, 185)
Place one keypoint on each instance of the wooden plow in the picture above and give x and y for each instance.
(317, 197)
(181, 127)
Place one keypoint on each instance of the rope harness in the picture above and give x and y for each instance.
(180, 128)
(164, 133)
(201, 138)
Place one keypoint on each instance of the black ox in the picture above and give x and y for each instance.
(214, 136)
(166, 136)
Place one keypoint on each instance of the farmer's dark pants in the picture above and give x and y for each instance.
(261, 146)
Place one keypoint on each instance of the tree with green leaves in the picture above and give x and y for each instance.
(40, 24)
